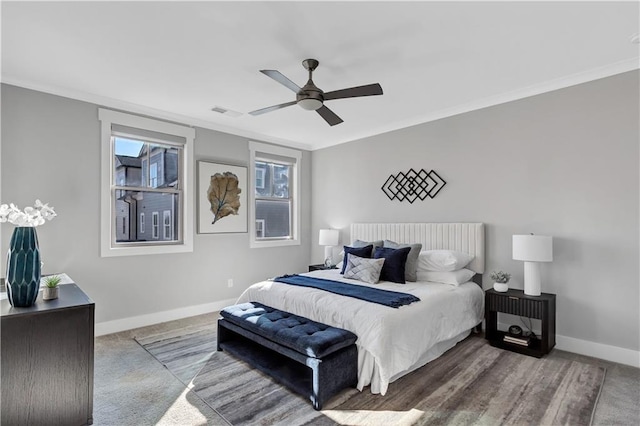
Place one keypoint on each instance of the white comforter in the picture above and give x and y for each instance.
(391, 342)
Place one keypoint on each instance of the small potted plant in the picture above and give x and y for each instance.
(50, 291)
(500, 281)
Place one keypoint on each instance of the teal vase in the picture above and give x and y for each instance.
(23, 267)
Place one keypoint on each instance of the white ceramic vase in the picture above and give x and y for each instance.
(501, 287)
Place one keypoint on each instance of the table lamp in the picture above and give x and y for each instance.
(328, 238)
(532, 249)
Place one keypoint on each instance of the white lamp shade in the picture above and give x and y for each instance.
(533, 248)
(329, 237)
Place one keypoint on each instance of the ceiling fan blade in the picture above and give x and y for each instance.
(272, 108)
(354, 92)
(280, 78)
(329, 116)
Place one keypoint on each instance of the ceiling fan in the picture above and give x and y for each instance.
(312, 98)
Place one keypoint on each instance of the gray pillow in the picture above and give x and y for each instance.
(361, 269)
(411, 267)
(360, 243)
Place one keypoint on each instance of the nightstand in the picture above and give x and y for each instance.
(515, 302)
(320, 267)
(47, 360)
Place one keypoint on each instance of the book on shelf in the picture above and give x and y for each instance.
(523, 341)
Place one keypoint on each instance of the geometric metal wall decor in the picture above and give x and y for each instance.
(412, 185)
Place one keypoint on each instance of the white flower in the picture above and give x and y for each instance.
(31, 216)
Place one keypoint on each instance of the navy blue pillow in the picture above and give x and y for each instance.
(356, 251)
(394, 263)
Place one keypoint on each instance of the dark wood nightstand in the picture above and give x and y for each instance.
(320, 267)
(47, 360)
(515, 302)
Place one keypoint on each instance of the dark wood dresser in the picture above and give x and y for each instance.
(47, 360)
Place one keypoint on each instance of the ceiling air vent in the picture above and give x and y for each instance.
(226, 111)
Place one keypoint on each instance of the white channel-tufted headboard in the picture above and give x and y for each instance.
(464, 237)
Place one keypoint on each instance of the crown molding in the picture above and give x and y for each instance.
(104, 101)
(533, 90)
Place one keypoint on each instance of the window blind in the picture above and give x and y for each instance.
(146, 135)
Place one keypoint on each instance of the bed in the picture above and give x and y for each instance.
(393, 342)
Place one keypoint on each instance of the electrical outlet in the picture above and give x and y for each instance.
(230, 282)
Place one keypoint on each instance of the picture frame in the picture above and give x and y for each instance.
(220, 183)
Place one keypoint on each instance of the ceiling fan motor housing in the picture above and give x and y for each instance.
(310, 97)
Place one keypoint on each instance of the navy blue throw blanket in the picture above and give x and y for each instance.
(392, 299)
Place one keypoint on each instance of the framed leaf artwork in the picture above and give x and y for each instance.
(222, 198)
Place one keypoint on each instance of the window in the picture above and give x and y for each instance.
(259, 228)
(145, 169)
(155, 225)
(166, 220)
(260, 172)
(274, 198)
(153, 175)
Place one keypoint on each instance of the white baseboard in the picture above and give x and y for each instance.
(599, 350)
(123, 324)
(585, 347)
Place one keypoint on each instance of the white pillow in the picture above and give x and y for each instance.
(363, 269)
(454, 277)
(443, 260)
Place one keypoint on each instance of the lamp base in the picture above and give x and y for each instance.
(532, 279)
(328, 256)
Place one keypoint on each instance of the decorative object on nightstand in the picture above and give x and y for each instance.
(50, 291)
(532, 249)
(329, 238)
(500, 281)
(515, 302)
(320, 267)
(23, 259)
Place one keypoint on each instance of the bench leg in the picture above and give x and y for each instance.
(223, 335)
(332, 374)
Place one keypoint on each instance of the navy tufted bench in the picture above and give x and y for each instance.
(311, 358)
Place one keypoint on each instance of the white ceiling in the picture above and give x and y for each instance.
(177, 60)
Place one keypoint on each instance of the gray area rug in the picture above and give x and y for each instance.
(472, 384)
(183, 351)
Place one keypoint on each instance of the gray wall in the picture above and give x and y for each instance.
(51, 151)
(563, 163)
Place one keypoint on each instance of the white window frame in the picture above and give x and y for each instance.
(142, 224)
(107, 248)
(169, 235)
(254, 149)
(155, 225)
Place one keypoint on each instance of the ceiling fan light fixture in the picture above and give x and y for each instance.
(310, 104)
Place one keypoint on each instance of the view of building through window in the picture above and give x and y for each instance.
(273, 201)
(146, 182)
